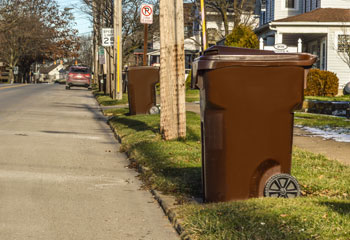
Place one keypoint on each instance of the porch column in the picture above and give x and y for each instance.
(261, 44)
(300, 45)
(278, 37)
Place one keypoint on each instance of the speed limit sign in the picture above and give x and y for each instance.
(107, 37)
(146, 13)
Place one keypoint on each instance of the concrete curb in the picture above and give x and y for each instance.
(166, 202)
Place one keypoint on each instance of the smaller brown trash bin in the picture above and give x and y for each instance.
(141, 88)
(247, 101)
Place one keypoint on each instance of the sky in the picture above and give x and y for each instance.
(83, 24)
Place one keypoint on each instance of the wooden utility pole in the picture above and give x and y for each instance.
(172, 70)
(118, 50)
(95, 43)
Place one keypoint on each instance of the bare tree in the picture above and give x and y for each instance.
(39, 30)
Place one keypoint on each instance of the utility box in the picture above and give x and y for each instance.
(141, 89)
(247, 99)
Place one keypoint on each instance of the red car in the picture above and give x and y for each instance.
(78, 76)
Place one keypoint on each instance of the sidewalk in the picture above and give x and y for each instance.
(331, 149)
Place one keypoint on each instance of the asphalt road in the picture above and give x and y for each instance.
(61, 175)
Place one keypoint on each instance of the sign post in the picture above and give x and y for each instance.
(146, 18)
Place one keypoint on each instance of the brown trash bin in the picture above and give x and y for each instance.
(247, 102)
(141, 88)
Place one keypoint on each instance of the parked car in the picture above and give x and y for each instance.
(78, 76)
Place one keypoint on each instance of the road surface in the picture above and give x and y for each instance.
(61, 175)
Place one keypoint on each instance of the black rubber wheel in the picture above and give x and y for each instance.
(346, 90)
(282, 186)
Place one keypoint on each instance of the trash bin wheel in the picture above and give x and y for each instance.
(282, 186)
(154, 110)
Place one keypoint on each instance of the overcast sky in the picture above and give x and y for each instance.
(83, 23)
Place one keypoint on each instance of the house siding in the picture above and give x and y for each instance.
(335, 63)
(335, 3)
(282, 12)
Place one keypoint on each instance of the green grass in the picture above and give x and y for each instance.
(174, 167)
(319, 120)
(337, 98)
(106, 100)
(301, 218)
(192, 95)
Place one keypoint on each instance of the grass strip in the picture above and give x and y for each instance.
(319, 120)
(106, 100)
(268, 218)
(192, 95)
(174, 167)
(332, 99)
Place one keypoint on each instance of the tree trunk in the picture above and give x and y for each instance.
(172, 70)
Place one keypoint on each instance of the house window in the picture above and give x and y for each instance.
(290, 3)
(343, 43)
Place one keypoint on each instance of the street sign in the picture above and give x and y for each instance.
(146, 13)
(15, 70)
(101, 55)
(107, 37)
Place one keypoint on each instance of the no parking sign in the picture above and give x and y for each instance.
(146, 13)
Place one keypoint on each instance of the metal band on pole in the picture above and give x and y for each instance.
(204, 34)
(118, 64)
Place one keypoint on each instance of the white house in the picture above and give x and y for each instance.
(51, 73)
(323, 30)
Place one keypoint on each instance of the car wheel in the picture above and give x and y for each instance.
(67, 87)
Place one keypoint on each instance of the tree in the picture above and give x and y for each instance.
(39, 30)
(85, 53)
(242, 36)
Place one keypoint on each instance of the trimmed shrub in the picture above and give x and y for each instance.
(188, 80)
(242, 36)
(322, 83)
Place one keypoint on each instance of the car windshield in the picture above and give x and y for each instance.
(79, 70)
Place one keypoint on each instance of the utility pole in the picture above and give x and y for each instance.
(172, 70)
(95, 43)
(118, 50)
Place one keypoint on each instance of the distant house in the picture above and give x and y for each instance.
(319, 28)
(51, 73)
(193, 33)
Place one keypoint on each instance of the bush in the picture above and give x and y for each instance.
(242, 36)
(188, 80)
(322, 83)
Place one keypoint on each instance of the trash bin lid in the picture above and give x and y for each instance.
(220, 56)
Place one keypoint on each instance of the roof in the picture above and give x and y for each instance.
(48, 69)
(321, 15)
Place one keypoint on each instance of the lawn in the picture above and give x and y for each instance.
(335, 99)
(321, 121)
(192, 95)
(106, 100)
(174, 167)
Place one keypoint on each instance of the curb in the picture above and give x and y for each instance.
(165, 202)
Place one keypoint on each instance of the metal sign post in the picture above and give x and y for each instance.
(146, 18)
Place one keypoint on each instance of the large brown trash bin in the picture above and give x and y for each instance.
(141, 88)
(247, 102)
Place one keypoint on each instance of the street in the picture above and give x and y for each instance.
(61, 175)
